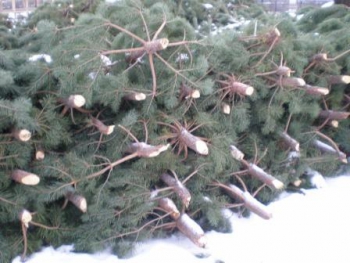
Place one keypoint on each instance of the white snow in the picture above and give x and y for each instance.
(313, 226)
(37, 57)
(208, 6)
(316, 179)
(328, 4)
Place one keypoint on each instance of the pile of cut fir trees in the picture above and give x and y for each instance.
(136, 119)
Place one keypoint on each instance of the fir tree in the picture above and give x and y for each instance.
(142, 118)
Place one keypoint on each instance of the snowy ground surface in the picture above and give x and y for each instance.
(305, 228)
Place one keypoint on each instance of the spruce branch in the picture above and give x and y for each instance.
(254, 170)
(270, 39)
(7, 201)
(149, 47)
(280, 70)
(26, 219)
(181, 137)
(321, 58)
(327, 148)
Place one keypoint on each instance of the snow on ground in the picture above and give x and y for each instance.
(313, 226)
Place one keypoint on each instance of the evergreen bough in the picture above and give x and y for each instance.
(130, 120)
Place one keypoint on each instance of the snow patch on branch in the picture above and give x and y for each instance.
(37, 57)
(208, 6)
(316, 179)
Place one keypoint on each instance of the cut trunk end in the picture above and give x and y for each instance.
(266, 178)
(104, 129)
(225, 108)
(194, 142)
(75, 101)
(22, 135)
(191, 230)
(40, 155)
(236, 153)
(135, 96)
(290, 142)
(341, 79)
(242, 89)
(249, 201)
(25, 217)
(24, 177)
(78, 200)
(178, 188)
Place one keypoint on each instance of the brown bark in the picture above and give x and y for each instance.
(186, 92)
(104, 129)
(249, 201)
(132, 57)
(169, 206)
(283, 71)
(314, 90)
(292, 82)
(145, 150)
(193, 142)
(325, 148)
(135, 96)
(78, 200)
(156, 45)
(191, 230)
(321, 57)
(242, 89)
(340, 79)
(236, 153)
(260, 174)
(24, 177)
(271, 36)
(290, 142)
(178, 188)
(334, 115)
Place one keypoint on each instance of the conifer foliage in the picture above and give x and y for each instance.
(127, 120)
